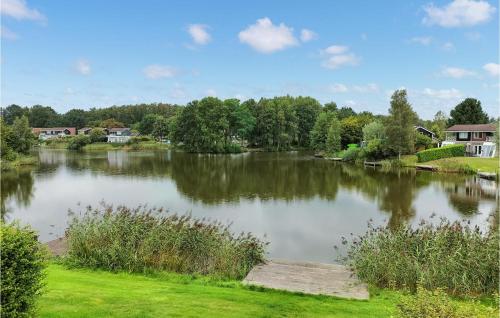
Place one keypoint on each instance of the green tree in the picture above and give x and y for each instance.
(11, 112)
(75, 118)
(6, 151)
(352, 130)
(345, 112)
(400, 124)
(245, 122)
(330, 107)
(306, 109)
(468, 112)
(21, 139)
(438, 125)
(146, 125)
(97, 134)
(43, 116)
(373, 131)
(333, 138)
(111, 123)
(319, 133)
(160, 128)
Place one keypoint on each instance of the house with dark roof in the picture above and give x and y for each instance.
(479, 140)
(53, 132)
(425, 131)
(120, 135)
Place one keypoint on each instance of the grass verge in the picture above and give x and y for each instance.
(88, 293)
(18, 162)
(476, 164)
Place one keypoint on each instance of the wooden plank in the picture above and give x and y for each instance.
(308, 278)
(487, 175)
(425, 167)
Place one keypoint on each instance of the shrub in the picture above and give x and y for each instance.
(437, 304)
(351, 154)
(144, 239)
(98, 135)
(78, 142)
(439, 153)
(454, 256)
(374, 150)
(232, 148)
(422, 141)
(22, 265)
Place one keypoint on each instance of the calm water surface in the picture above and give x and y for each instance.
(302, 205)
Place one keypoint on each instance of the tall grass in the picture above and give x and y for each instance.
(451, 255)
(142, 239)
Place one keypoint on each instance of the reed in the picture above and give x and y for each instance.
(450, 255)
(142, 239)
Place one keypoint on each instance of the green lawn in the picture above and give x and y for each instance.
(480, 164)
(86, 293)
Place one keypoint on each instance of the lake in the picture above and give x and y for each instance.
(302, 205)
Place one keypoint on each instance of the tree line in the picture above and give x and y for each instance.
(276, 124)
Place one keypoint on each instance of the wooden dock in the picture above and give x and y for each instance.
(426, 167)
(373, 163)
(487, 175)
(308, 278)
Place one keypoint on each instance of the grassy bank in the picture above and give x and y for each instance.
(476, 164)
(455, 164)
(18, 162)
(102, 146)
(87, 293)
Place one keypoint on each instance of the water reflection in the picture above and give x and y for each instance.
(16, 185)
(303, 204)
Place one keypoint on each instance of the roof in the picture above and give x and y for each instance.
(72, 130)
(118, 129)
(85, 128)
(479, 127)
(427, 130)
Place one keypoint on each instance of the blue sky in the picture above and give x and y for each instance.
(83, 54)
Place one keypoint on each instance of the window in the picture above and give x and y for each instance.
(463, 135)
(478, 135)
(478, 150)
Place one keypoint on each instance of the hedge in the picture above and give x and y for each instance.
(439, 153)
(22, 263)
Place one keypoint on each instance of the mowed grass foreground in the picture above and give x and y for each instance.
(88, 293)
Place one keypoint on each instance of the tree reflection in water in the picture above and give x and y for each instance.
(217, 179)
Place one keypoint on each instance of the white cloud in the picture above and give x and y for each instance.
(423, 40)
(178, 92)
(7, 33)
(459, 13)
(337, 88)
(350, 103)
(18, 9)
(335, 49)
(83, 67)
(211, 92)
(444, 94)
(307, 35)
(335, 61)
(337, 56)
(157, 71)
(369, 88)
(492, 68)
(456, 72)
(199, 33)
(265, 37)
(448, 46)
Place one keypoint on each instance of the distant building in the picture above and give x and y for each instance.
(425, 132)
(479, 140)
(84, 131)
(120, 135)
(48, 133)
